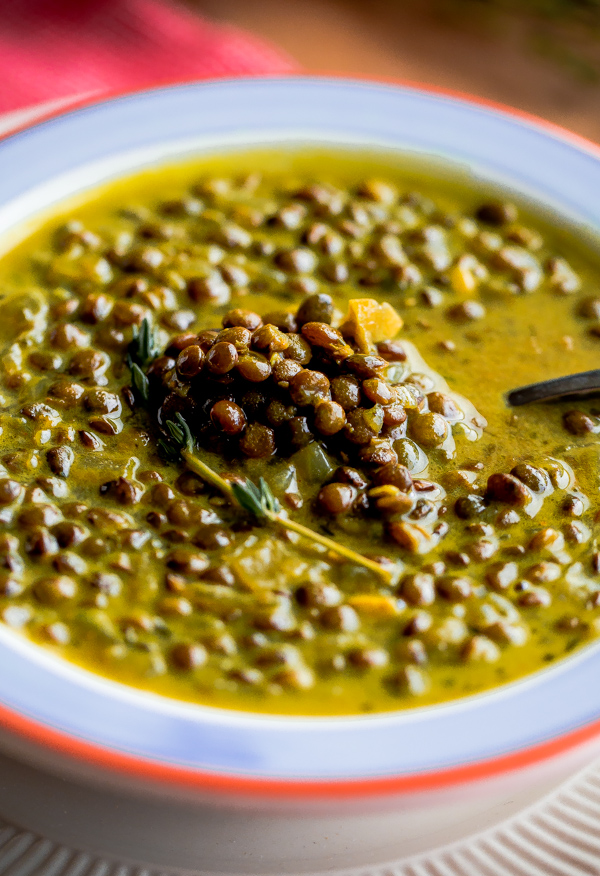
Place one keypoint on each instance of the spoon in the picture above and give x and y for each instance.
(584, 383)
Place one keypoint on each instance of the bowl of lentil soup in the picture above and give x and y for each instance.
(269, 526)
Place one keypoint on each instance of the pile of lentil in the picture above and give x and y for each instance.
(135, 567)
(293, 386)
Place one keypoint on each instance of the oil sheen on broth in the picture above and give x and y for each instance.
(134, 567)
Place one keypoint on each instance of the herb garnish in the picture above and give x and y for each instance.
(142, 350)
(259, 501)
(256, 500)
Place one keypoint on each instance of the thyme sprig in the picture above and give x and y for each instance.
(258, 500)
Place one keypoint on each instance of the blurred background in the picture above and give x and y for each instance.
(542, 56)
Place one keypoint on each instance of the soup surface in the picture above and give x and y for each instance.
(240, 298)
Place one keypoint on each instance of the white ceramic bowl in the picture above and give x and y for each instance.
(133, 775)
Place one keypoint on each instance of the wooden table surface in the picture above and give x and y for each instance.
(550, 69)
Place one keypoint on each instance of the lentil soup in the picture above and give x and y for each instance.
(255, 451)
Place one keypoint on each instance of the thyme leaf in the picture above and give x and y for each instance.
(181, 434)
(143, 348)
(257, 500)
(248, 497)
(168, 451)
(269, 501)
(139, 383)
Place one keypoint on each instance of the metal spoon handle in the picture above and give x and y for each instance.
(573, 384)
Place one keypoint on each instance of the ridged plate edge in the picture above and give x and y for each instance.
(560, 837)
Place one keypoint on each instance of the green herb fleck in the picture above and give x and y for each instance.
(181, 434)
(143, 348)
(139, 383)
(257, 500)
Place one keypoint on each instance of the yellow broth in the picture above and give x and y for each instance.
(95, 579)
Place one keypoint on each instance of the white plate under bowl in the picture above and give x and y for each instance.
(558, 837)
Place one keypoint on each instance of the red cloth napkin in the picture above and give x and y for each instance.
(57, 48)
